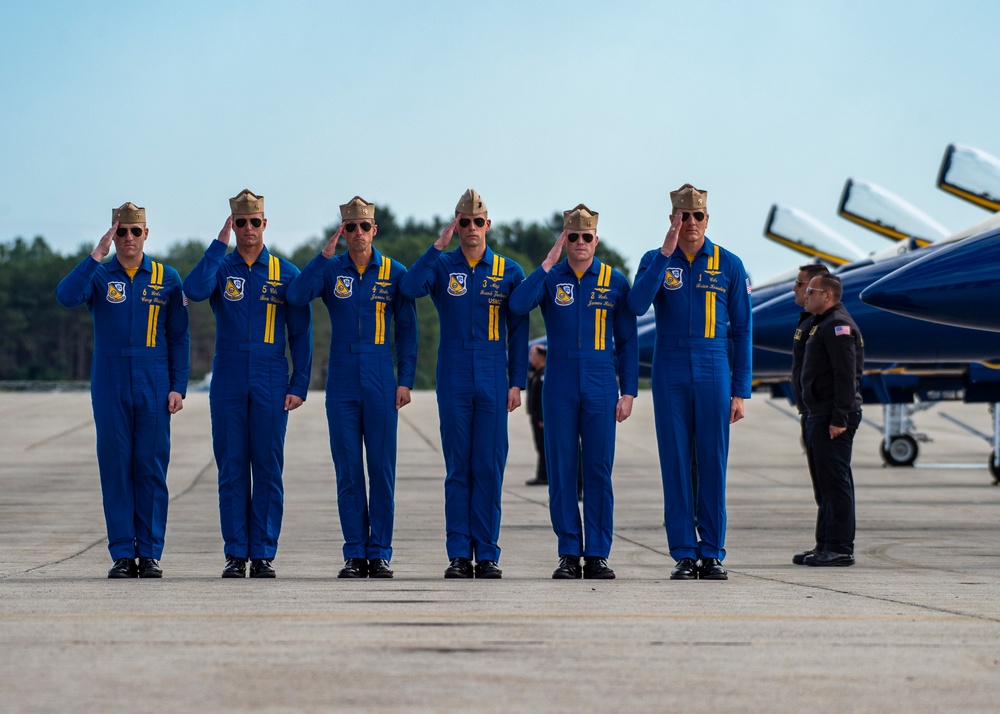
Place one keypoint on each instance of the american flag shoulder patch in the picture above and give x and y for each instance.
(184, 298)
(842, 330)
(748, 286)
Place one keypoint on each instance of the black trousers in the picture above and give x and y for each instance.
(539, 433)
(830, 464)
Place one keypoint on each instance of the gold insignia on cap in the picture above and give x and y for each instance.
(128, 212)
(688, 198)
(580, 218)
(357, 208)
(470, 204)
(246, 202)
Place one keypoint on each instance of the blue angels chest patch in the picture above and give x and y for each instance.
(345, 286)
(564, 294)
(116, 291)
(673, 279)
(234, 288)
(457, 283)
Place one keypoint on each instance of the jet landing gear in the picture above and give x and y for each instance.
(899, 440)
(993, 464)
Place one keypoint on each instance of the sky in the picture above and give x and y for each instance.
(537, 105)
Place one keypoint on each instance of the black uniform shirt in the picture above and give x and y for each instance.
(798, 350)
(831, 366)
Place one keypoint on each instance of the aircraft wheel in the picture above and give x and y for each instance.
(994, 472)
(902, 451)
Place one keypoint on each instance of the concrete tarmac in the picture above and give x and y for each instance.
(914, 626)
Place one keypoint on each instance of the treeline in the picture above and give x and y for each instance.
(40, 340)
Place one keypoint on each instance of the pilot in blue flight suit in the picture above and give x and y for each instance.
(363, 394)
(138, 379)
(580, 299)
(482, 368)
(251, 394)
(702, 298)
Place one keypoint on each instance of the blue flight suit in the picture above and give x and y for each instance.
(483, 352)
(583, 367)
(361, 387)
(701, 306)
(141, 354)
(249, 384)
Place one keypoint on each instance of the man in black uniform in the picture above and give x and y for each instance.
(830, 384)
(536, 375)
(806, 273)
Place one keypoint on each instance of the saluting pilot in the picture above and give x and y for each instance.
(593, 349)
(251, 394)
(138, 379)
(482, 368)
(701, 294)
(367, 315)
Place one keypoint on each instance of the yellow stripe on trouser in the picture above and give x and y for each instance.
(154, 316)
(709, 314)
(380, 323)
(493, 329)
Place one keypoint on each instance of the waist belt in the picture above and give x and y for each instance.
(145, 352)
(707, 343)
(358, 347)
(251, 347)
(474, 345)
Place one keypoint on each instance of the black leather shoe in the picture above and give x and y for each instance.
(536, 482)
(355, 568)
(829, 559)
(149, 568)
(260, 568)
(597, 569)
(488, 570)
(379, 568)
(800, 558)
(686, 569)
(569, 568)
(123, 568)
(459, 568)
(235, 567)
(711, 569)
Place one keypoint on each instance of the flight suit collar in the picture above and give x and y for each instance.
(376, 260)
(594, 269)
(146, 264)
(459, 256)
(707, 248)
(264, 257)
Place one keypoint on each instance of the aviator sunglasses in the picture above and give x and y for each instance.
(478, 220)
(351, 227)
(255, 222)
(136, 231)
(587, 237)
(698, 216)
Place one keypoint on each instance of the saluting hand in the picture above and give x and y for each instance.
(103, 247)
(402, 397)
(331, 245)
(175, 402)
(673, 233)
(449, 230)
(227, 231)
(555, 254)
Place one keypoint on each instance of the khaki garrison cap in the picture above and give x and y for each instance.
(580, 218)
(128, 212)
(245, 202)
(688, 198)
(357, 209)
(470, 204)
